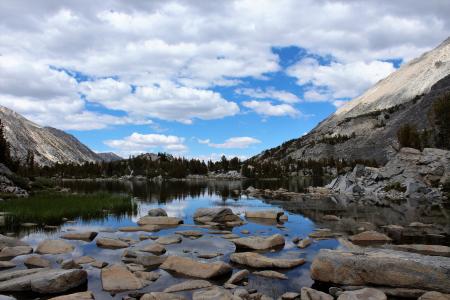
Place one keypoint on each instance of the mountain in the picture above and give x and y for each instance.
(109, 156)
(366, 127)
(49, 145)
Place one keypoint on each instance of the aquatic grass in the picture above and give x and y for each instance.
(50, 208)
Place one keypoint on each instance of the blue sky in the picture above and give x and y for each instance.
(199, 78)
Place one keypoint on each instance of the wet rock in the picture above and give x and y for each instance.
(6, 241)
(304, 243)
(238, 276)
(188, 285)
(168, 240)
(117, 278)
(271, 274)
(144, 259)
(36, 262)
(363, 294)
(155, 248)
(70, 264)
(382, 267)
(215, 293)
(8, 253)
(190, 233)
(370, 237)
(83, 236)
(54, 247)
(162, 296)
(434, 296)
(264, 214)
(157, 212)
(256, 260)
(311, 294)
(290, 296)
(111, 243)
(215, 214)
(436, 250)
(259, 243)
(77, 296)
(167, 221)
(4, 265)
(43, 281)
(146, 228)
(189, 267)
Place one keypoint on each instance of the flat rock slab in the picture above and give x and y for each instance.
(77, 296)
(271, 274)
(192, 268)
(145, 228)
(168, 221)
(436, 250)
(6, 241)
(259, 243)
(54, 247)
(87, 236)
(4, 265)
(369, 237)
(143, 259)
(190, 233)
(214, 293)
(259, 261)
(264, 214)
(238, 276)
(382, 267)
(434, 296)
(8, 253)
(111, 243)
(156, 249)
(188, 285)
(170, 239)
(162, 296)
(215, 215)
(36, 262)
(117, 278)
(363, 294)
(312, 294)
(43, 281)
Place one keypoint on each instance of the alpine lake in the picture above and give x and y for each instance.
(105, 206)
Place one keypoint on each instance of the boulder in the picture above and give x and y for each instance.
(189, 267)
(54, 247)
(111, 243)
(188, 285)
(8, 253)
(77, 296)
(259, 243)
(4, 265)
(155, 248)
(143, 259)
(117, 278)
(311, 294)
(214, 293)
(434, 296)
(264, 214)
(382, 267)
(165, 221)
(168, 240)
(87, 236)
(36, 262)
(363, 294)
(162, 296)
(271, 274)
(369, 237)
(437, 250)
(43, 281)
(259, 261)
(157, 212)
(238, 276)
(215, 214)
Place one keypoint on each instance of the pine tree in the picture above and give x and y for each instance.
(5, 156)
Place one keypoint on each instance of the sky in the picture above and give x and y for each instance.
(202, 78)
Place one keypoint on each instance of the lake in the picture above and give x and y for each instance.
(105, 206)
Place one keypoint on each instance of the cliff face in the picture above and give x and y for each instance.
(366, 127)
(49, 145)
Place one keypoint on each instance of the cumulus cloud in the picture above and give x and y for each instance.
(266, 108)
(140, 143)
(270, 93)
(240, 142)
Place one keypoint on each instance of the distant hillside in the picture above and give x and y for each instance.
(109, 156)
(49, 145)
(366, 127)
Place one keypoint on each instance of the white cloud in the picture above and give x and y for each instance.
(141, 143)
(266, 108)
(342, 80)
(240, 142)
(270, 93)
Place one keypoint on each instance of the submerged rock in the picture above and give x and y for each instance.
(256, 260)
(117, 278)
(215, 214)
(382, 267)
(54, 247)
(259, 243)
(189, 267)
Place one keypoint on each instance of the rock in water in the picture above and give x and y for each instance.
(382, 267)
(259, 261)
(264, 214)
(6, 241)
(238, 276)
(434, 296)
(157, 212)
(162, 296)
(168, 240)
(8, 253)
(156, 249)
(54, 247)
(370, 237)
(83, 236)
(363, 294)
(259, 243)
(215, 214)
(436, 250)
(271, 274)
(167, 221)
(36, 262)
(117, 278)
(215, 293)
(188, 285)
(189, 267)
(111, 243)
(143, 259)
(77, 296)
(311, 294)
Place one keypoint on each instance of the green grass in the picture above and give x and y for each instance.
(51, 208)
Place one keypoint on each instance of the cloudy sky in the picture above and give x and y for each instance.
(202, 78)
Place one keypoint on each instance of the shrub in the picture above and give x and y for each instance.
(441, 118)
(408, 136)
(394, 186)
